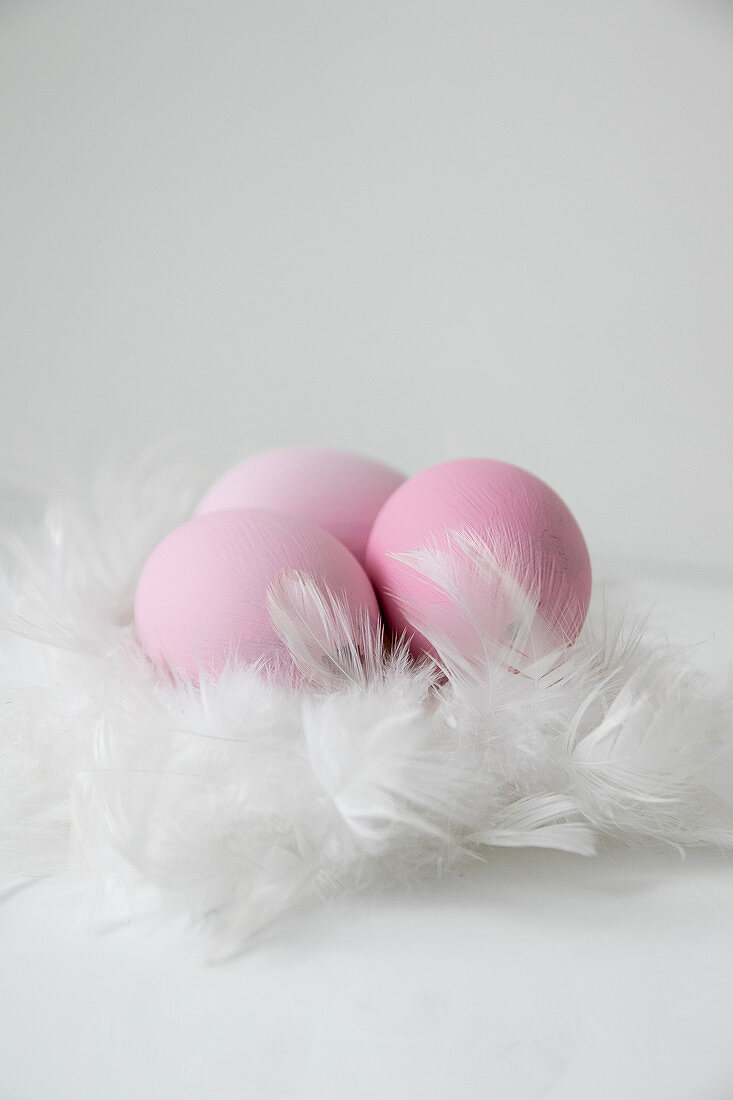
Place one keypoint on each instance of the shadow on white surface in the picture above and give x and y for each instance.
(536, 975)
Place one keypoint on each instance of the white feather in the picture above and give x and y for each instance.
(329, 646)
(238, 799)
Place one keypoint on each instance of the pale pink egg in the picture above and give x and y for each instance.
(532, 533)
(201, 595)
(340, 492)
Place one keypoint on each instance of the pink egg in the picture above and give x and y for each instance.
(532, 532)
(201, 596)
(340, 492)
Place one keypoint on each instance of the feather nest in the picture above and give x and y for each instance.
(240, 798)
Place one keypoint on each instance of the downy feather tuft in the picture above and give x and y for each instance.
(238, 799)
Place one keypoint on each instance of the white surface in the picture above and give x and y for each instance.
(540, 975)
(418, 230)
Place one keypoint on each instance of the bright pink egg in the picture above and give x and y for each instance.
(532, 532)
(201, 596)
(340, 492)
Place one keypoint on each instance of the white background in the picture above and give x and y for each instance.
(418, 230)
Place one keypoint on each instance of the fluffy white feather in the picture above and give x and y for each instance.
(241, 798)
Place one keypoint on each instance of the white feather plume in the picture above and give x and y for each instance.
(240, 798)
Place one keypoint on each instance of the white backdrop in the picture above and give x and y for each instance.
(420, 230)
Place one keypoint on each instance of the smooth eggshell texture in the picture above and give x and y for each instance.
(339, 492)
(200, 597)
(533, 532)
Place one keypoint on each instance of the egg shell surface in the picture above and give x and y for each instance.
(338, 491)
(533, 533)
(201, 595)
